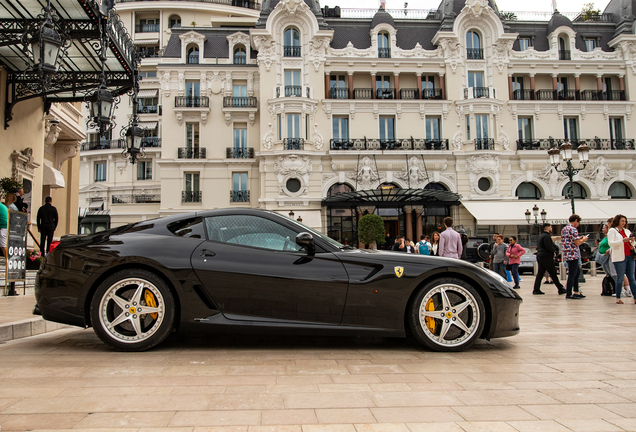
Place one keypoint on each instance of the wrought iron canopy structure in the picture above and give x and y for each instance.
(392, 197)
(80, 69)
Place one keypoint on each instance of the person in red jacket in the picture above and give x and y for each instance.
(514, 253)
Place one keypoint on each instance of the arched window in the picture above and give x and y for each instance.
(339, 188)
(579, 191)
(564, 52)
(619, 190)
(239, 55)
(436, 186)
(474, 50)
(528, 191)
(291, 43)
(384, 50)
(193, 55)
(175, 21)
(388, 186)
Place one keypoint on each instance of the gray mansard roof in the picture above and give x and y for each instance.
(215, 46)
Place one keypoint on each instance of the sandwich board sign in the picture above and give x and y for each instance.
(16, 246)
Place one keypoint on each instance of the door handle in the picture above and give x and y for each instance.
(207, 253)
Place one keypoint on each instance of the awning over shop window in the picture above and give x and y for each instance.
(96, 204)
(146, 42)
(149, 93)
(394, 197)
(513, 212)
(53, 177)
(148, 125)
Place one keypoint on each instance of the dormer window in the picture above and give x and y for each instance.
(384, 51)
(590, 44)
(175, 21)
(193, 55)
(524, 43)
(240, 57)
(291, 41)
(564, 52)
(474, 51)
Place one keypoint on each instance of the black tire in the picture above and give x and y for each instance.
(119, 299)
(443, 295)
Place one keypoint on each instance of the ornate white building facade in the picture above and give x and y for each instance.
(288, 107)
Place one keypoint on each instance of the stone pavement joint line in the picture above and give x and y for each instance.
(17, 320)
(570, 369)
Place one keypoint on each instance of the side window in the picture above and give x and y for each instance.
(190, 228)
(252, 231)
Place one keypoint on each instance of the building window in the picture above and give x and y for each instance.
(340, 128)
(387, 129)
(481, 126)
(240, 137)
(473, 46)
(435, 186)
(619, 190)
(240, 57)
(616, 128)
(590, 44)
(476, 79)
(338, 87)
(524, 44)
(524, 127)
(433, 128)
(239, 187)
(571, 128)
(175, 21)
(100, 171)
(192, 182)
(148, 74)
(193, 55)
(579, 191)
(280, 127)
(383, 87)
(192, 136)
(528, 191)
(293, 125)
(384, 51)
(484, 184)
(144, 170)
(468, 127)
(291, 43)
(292, 83)
(517, 88)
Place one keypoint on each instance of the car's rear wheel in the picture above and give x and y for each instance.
(447, 315)
(133, 310)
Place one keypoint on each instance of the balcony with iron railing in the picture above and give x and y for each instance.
(431, 93)
(147, 28)
(291, 51)
(239, 102)
(365, 143)
(363, 93)
(191, 102)
(293, 90)
(484, 143)
(191, 153)
(147, 109)
(294, 144)
(191, 196)
(474, 53)
(594, 143)
(237, 3)
(193, 59)
(239, 196)
(136, 199)
(409, 93)
(600, 95)
(147, 142)
(339, 93)
(565, 55)
(478, 92)
(384, 52)
(239, 153)
(523, 95)
(385, 93)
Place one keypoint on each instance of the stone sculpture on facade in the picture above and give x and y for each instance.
(414, 173)
(599, 174)
(366, 176)
(485, 165)
(290, 167)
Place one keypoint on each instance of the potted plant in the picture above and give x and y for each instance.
(371, 230)
(33, 259)
(9, 185)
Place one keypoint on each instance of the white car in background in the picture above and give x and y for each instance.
(527, 261)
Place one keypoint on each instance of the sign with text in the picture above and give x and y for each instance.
(16, 246)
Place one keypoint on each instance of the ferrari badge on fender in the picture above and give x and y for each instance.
(399, 271)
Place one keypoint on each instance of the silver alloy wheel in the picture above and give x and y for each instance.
(124, 313)
(456, 315)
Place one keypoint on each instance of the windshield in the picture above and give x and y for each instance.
(317, 234)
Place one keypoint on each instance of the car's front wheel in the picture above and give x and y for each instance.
(447, 315)
(133, 310)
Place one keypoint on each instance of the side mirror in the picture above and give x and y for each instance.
(306, 240)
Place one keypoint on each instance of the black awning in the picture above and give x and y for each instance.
(394, 197)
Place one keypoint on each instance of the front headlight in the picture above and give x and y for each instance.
(497, 276)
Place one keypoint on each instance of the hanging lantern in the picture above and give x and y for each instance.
(45, 45)
(134, 136)
(101, 108)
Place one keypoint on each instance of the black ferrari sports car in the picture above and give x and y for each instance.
(252, 270)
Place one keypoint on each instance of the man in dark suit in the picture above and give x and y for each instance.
(19, 202)
(47, 223)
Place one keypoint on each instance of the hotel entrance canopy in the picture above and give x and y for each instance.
(80, 69)
(392, 197)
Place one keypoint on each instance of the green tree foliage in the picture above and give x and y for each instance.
(371, 229)
(9, 185)
(508, 16)
(589, 13)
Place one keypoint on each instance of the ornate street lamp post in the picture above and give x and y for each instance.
(565, 152)
(535, 213)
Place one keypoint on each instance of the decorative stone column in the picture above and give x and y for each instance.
(510, 91)
(350, 77)
(409, 222)
(599, 82)
(373, 85)
(327, 89)
(442, 85)
(396, 78)
(532, 84)
(419, 84)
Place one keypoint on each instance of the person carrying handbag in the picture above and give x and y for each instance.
(621, 244)
(514, 253)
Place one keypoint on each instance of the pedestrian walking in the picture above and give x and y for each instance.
(47, 220)
(621, 242)
(570, 254)
(423, 247)
(499, 257)
(545, 257)
(435, 244)
(409, 246)
(450, 242)
(514, 253)
(399, 245)
(491, 265)
(464, 237)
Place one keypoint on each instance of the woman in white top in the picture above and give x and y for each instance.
(618, 238)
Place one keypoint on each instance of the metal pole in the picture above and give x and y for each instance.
(571, 176)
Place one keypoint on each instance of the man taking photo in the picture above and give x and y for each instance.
(545, 257)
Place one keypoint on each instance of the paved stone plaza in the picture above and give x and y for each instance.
(572, 368)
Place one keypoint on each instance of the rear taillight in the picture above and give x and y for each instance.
(53, 245)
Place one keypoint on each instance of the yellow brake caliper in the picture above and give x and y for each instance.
(151, 301)
(430, 321)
